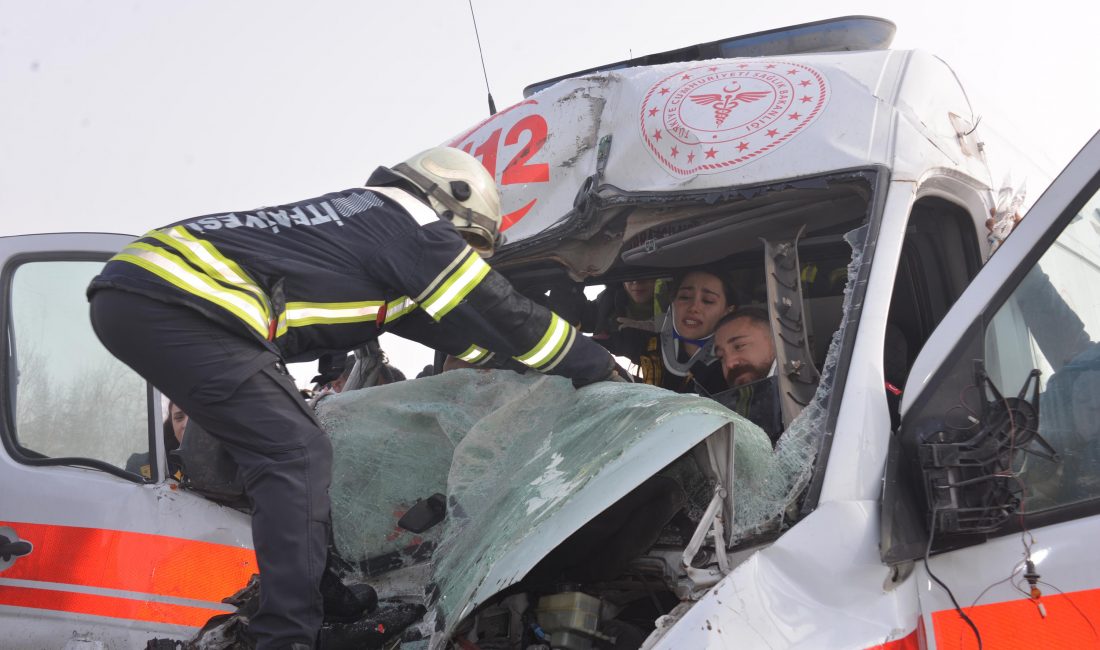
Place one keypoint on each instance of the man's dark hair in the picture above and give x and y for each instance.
(755, 314)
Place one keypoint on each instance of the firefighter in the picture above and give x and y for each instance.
(209, 309)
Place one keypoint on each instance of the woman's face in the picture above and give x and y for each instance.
(700, 301)
(179, 421)
(640, 291)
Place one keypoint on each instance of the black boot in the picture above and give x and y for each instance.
(344, 604)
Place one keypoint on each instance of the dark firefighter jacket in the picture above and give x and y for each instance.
(330, 273)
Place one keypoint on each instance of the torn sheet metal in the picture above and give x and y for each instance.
(821, 585)
(524, 462)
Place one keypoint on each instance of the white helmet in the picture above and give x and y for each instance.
(460, 190)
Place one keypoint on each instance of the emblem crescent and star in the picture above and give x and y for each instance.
(714, 118)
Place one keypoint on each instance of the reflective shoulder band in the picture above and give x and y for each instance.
(421, 214)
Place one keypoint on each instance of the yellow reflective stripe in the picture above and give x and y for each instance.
(563, 352)
(552, 341)
(473, 354)
(397, 308)
(194, 248)
(461, 282)
(444, 274)
(280, 325)
(161, 263)
(206, 257)
(809, 273)
(300, 314)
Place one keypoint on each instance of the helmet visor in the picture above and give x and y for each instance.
(478, 240)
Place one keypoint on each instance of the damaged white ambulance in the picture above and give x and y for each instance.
(926, 472)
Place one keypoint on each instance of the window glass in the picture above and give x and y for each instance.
(1051, 323)
(72, 397)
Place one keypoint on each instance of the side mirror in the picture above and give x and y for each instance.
(951, 470)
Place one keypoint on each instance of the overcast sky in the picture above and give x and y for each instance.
(125, 115)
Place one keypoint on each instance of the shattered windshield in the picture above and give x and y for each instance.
(513, 454)
(523, 461)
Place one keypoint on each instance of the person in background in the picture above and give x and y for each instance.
(176, 424)
(172, 433)
(626, 317)
(330, 367)
(395, 374)
(622, 318)
(325, 383)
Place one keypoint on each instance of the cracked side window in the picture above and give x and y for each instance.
(72, 398)
(1051, 324)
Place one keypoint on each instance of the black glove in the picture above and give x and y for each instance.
(614, 372)
(618, 373)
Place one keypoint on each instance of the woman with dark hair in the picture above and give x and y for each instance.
(681, 355)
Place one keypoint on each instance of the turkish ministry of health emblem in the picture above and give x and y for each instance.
(715, 118)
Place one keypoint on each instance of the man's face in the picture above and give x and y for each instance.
(640, 291)
(179, 421)
(745, 349)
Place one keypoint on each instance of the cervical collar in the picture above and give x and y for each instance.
(670, 347)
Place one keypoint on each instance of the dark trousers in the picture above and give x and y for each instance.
(233, 388)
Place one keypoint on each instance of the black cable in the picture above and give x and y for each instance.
(1009, 580)
(928, 569)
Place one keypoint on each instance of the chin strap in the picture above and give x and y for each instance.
(457, 209)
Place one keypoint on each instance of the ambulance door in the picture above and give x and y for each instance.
(99, 547)
(992, 497)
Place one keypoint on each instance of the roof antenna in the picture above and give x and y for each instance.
(492, 105)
